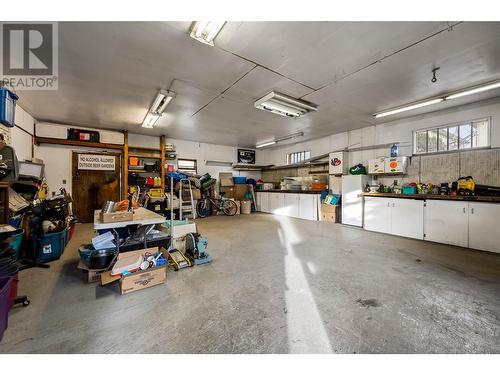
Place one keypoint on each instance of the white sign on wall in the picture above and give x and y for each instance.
(96, 162)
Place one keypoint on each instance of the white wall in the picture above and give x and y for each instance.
(396, 131)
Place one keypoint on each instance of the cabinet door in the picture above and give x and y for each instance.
(306, 206)
(483, 226)
(276, 203)
(258, 202)
(447, 222)
(265, 202)
(377, 214)
(407, 218)
(291, 205)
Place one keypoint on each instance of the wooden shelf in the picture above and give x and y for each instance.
(67, 142)
(141, 171)
(145, 149)
(145, 155)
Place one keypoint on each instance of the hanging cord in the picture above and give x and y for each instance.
(434, 78)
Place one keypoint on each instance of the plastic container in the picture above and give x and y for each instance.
(407, 189)
(50, 246)
(246, 207)
(240, 180)
(17, 240)
(13, 289)
(5, 286)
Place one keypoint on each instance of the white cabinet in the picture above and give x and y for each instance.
(291, 205)
(407, 218)
(276, 203)
(447, 222)
(262, 200)
(377, 214)
(308, 207)
(401, 217)
(484, 233)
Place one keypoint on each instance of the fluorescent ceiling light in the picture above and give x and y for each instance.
(475, 90)
(284, 105)
(161, 101)
(290, 136)
(266, 144)
(206, 31)
(408, 108)
(150, 120)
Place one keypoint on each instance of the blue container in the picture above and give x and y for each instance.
(50, 246)
(7, 107)
(17, 240)
(409, 189)
(15, 221)
(5, 285)
(240, 180)
(394, 151)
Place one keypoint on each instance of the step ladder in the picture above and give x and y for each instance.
(186, 208)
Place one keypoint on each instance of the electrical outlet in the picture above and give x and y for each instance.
(64, 182)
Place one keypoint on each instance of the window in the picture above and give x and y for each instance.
(462, 136)
(297, 157)
(187, 166)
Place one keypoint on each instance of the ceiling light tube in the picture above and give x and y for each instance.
(290, 136)
(265, 144)
(295, 102)
(206, 31)
(408, 108)
(150, 120)
(161, 101)
(489, 86)
(284, 110)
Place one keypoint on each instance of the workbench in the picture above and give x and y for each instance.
(142, 216)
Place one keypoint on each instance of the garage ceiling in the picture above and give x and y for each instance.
(110, 72)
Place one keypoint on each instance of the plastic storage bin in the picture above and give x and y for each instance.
(5, 286)
(50, 246)
(17, 240)
(240, 180)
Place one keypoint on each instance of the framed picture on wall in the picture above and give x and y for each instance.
(246, 156)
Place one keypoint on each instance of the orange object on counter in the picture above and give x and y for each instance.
(318, 186)
(133, 161)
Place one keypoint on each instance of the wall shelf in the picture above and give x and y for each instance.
(67, 142)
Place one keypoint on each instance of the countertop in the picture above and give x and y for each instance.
(471, 198)
(290, 191)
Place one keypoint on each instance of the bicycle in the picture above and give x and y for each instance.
(227, 206)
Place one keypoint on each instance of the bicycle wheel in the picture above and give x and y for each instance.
(229, 207)
(203, 208)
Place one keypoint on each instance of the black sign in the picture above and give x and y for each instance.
(246, 156)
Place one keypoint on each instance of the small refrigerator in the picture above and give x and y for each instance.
(352, 199)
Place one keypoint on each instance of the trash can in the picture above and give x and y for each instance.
(49, 246)
(246, 207)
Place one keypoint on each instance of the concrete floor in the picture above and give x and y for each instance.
(277, 285)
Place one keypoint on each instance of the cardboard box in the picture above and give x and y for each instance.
(337, 163)
(228, 191)
(181, 230)
(187, 197)
(239, 192)
(92, 276)
(376, 165)
(138, 280)
(226, 179)
(329, 213)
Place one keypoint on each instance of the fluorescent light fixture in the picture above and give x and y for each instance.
(408, 107)
(286, 137)
(266, 144)
(150, 120)
(161, 101)
(206, 31)
(284, 105)
(486, 87)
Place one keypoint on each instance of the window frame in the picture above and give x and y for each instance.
(297, 157)
(191, 170)
(447, 127)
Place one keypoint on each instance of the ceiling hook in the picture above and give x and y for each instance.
(434, 78)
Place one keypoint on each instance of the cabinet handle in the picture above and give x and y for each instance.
(388, 204)
(472, 211)
(464, 210)
(393, 205)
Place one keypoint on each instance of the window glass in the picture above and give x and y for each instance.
(465, 136)
(480, 134)
(297, 157)
(443, 139)
(432, 140)
(453, 138)
(421, 141)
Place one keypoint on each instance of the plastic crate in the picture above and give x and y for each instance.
(50, 246)
(240, 180)
(5, 286)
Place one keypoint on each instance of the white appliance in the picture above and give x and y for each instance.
(376, 165)
(352, 199)
(396, 165)
(337, 163)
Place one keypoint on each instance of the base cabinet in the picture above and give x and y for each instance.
(302, 206)
(484, 228)
(447, 222)
(401, 217)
